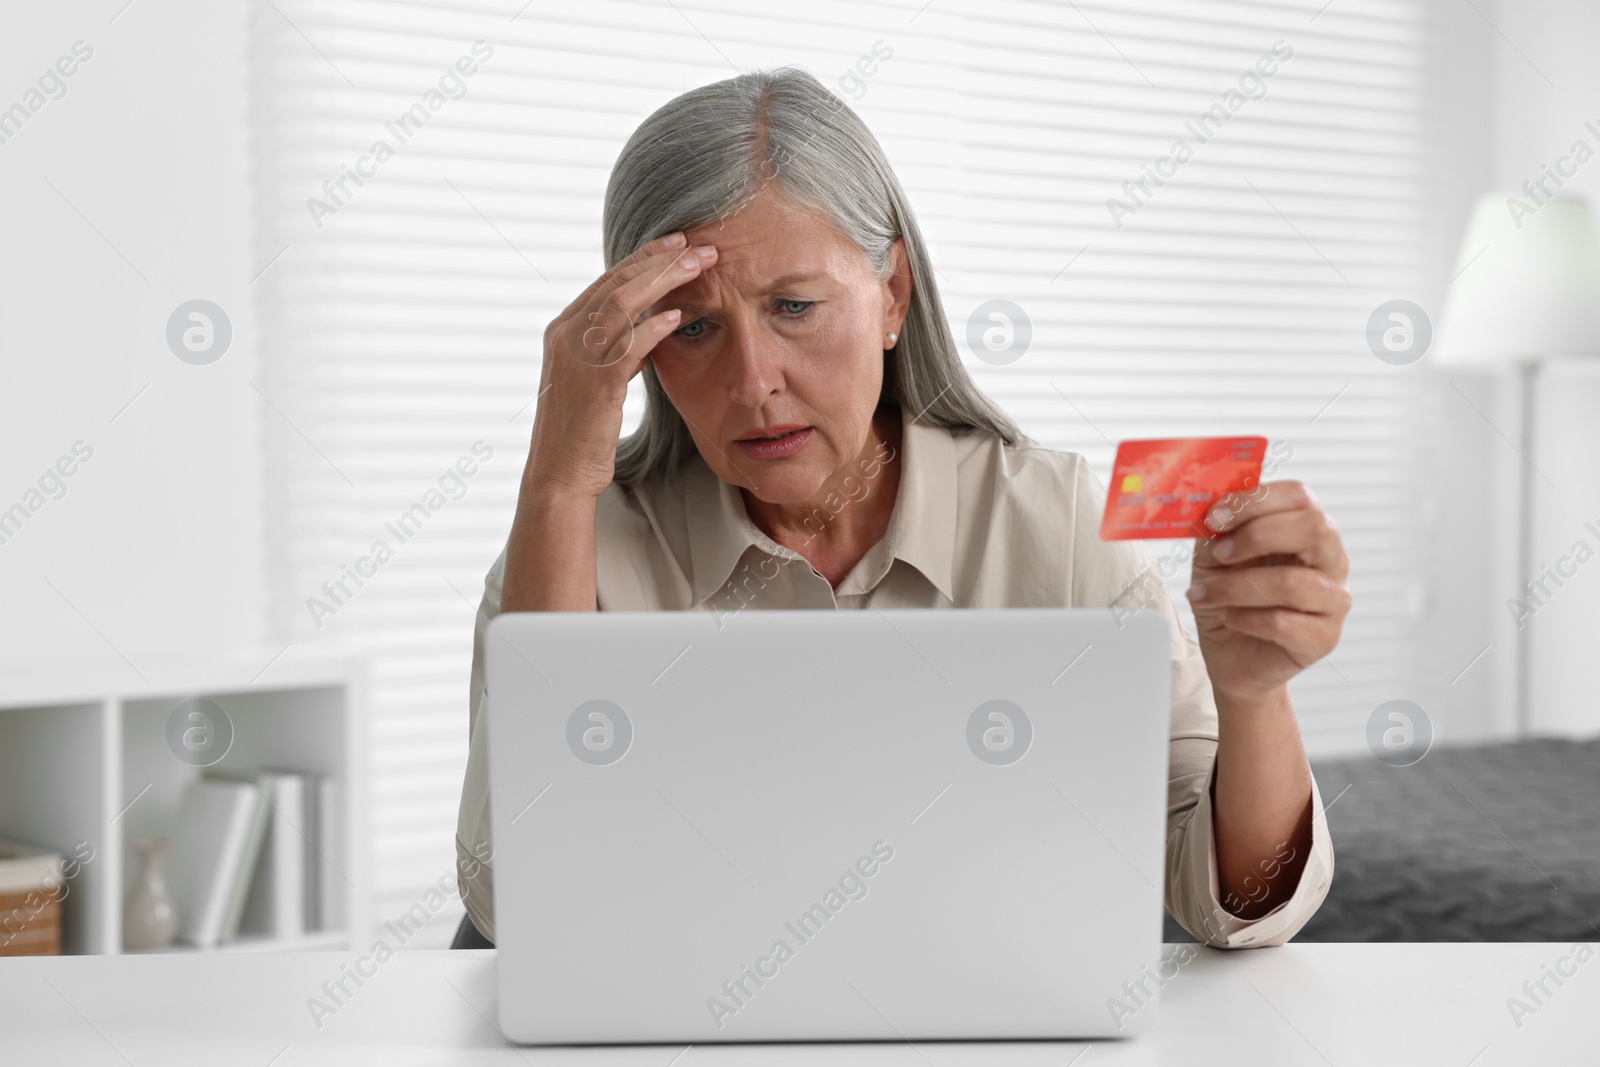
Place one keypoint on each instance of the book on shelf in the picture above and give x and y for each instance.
(276, 905)
(329, 881)
(216, 840)
(311, 863)
(251, 857)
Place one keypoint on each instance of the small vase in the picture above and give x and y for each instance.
(148, 918)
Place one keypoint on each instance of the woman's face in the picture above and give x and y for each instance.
(785, 331)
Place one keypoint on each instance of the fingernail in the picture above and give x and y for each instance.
(706, 253)
(675, 239)
(1196, 592)
(1223, 548)
(1219, 518)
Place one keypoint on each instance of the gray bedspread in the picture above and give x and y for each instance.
(1497, 842)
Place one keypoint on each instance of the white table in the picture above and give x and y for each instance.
(1345, 1005)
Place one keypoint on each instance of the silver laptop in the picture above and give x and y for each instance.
(814, 825)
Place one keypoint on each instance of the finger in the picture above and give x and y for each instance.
(671, 242)
(605, 329)
(1302, 589)
(1262, 499)
(646, 335)
(1306, 535)
(1304, 638)
(657, 277)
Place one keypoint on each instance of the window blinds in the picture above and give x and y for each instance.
(403, 312)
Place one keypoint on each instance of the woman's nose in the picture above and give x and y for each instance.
(753, 365)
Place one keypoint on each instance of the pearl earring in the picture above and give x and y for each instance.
(892, 337)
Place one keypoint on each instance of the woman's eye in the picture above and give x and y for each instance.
(794, 309)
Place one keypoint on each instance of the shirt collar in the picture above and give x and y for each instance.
(922, 527)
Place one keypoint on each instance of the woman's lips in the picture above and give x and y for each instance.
(776, 448)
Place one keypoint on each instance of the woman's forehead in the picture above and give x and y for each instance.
(768, 245)
(772, 250)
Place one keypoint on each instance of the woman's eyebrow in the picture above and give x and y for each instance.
(791, 278)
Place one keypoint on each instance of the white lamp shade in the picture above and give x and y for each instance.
(1527, 283)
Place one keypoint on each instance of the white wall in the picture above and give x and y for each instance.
(155, 547)
(1515, 85)
(1544, 95)
(1453, 448)
(1544, 98)
(1563, 631)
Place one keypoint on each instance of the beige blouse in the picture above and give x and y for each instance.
(977, 523)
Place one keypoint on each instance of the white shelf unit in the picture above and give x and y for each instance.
(84, 759)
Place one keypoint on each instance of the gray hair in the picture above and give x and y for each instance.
(707, 153)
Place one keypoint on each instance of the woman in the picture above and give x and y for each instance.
(811, 439)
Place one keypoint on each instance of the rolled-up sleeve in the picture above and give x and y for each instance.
(1127, 578)
(1193, 889)
(474, 848)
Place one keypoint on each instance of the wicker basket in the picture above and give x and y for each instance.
(31, 891)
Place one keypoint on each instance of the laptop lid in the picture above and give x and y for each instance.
(808, 825)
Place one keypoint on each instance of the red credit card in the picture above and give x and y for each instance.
(1165, 488)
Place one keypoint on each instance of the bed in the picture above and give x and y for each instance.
(1494, 842)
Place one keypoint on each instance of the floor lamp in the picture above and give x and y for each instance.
(1525, 287)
